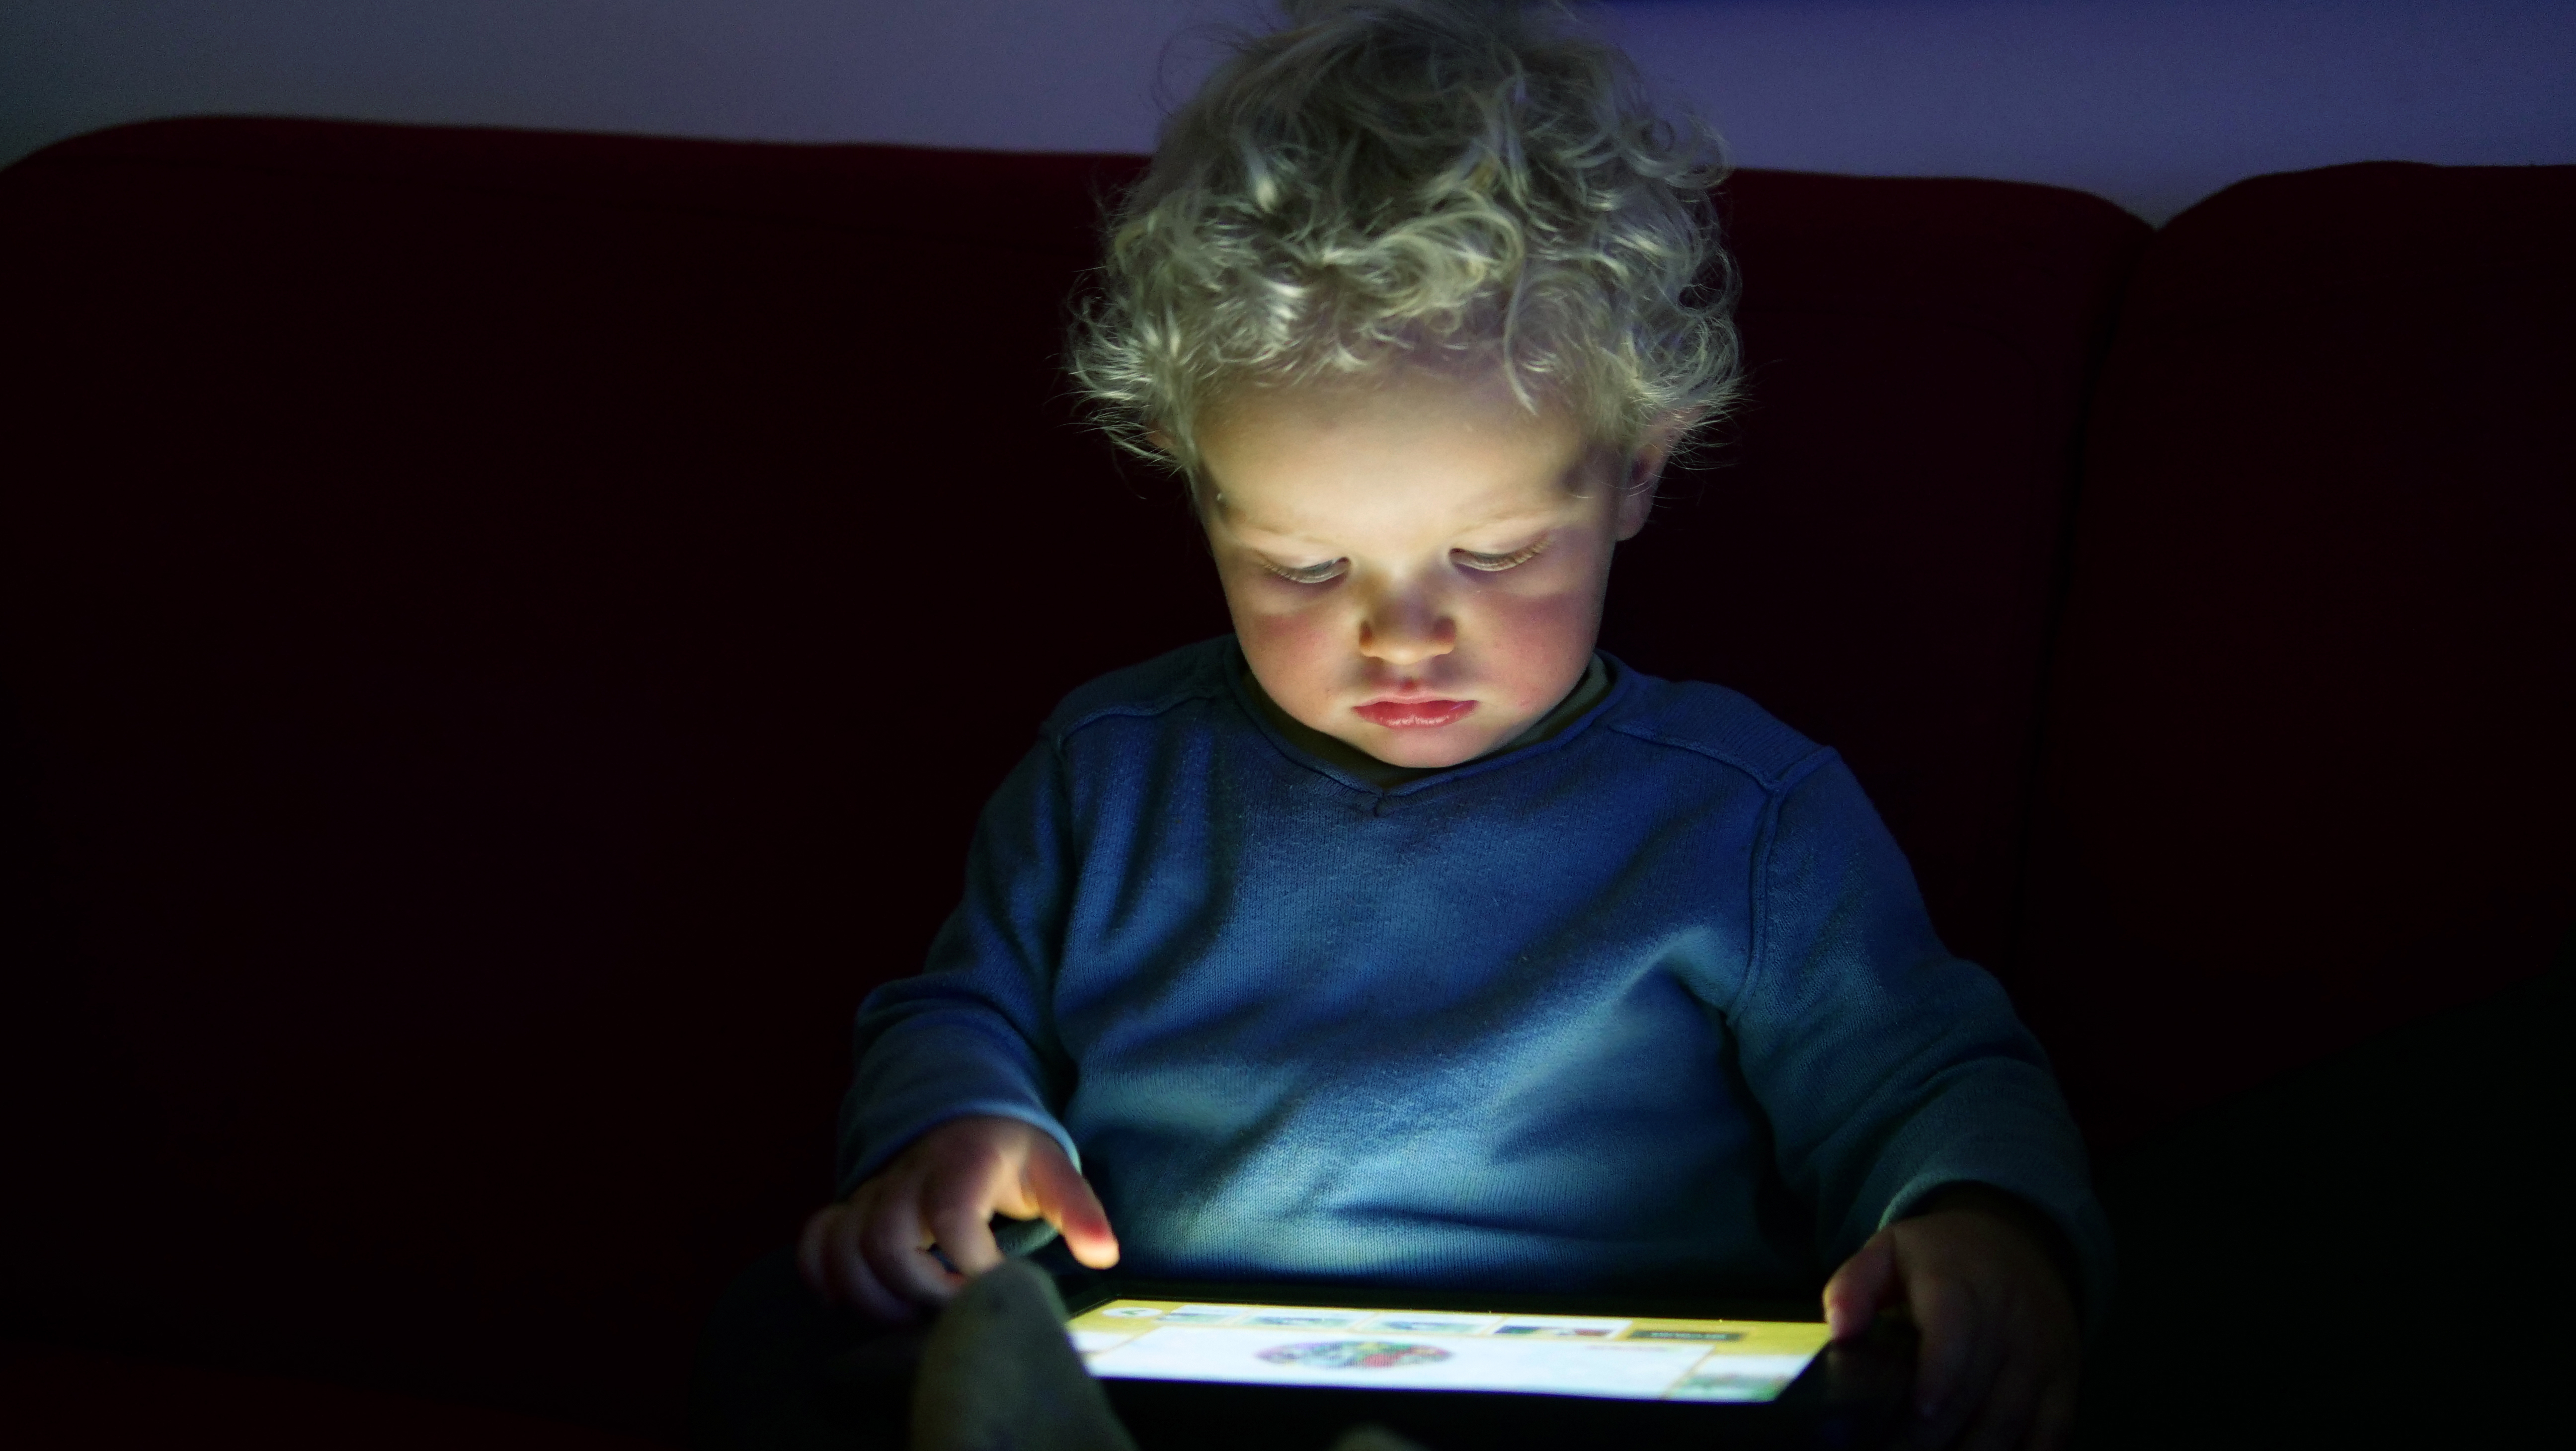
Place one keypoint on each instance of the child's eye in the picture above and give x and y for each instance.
(1492, 562)
(1306, 574)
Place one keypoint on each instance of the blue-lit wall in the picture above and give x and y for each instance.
(2151, 102)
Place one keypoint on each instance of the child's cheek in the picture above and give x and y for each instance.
(1297, 648)
(1536, 644)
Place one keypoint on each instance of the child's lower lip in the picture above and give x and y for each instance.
(1402, 714)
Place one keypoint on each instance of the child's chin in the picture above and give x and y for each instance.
(1427, 748)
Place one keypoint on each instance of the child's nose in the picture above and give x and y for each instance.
(1406, 627)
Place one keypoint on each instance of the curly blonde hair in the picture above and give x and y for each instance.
(1426, 181)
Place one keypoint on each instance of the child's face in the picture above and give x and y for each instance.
(1415, 561)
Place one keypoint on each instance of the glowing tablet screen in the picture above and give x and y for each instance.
(1442, 1350)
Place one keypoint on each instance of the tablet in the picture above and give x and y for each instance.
(1634, 1358)
(1272, 1365)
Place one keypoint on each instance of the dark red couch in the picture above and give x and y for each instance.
(503, 637)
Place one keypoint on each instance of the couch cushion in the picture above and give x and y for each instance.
(59, 1401)
(2309, 770)
(1873, 548)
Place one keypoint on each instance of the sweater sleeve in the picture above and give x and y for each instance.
(974, 1032)
(1888, 1067)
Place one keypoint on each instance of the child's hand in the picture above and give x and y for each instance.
(1996, 1367)
(871, 1251)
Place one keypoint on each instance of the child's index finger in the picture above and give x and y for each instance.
(1065, 1200)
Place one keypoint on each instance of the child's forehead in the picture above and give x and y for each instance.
(1404, 447)
(1333, 495)
(1389, 413)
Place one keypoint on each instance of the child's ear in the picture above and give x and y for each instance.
(1637, 484)
(1646, 469)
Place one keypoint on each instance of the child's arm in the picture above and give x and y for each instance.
(950, 1116)
(1897, 1077)
(872, 1251)
(1986, 1280)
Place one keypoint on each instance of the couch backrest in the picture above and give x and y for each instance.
(1874, 550)
(510, 632)
(2312, 746)
(506, 635)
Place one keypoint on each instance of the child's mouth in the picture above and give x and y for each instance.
(1404, 714)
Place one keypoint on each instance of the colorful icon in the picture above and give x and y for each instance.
(1354, 1354)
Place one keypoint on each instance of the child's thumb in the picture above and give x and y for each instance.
(1064, 1197)
(1853, 1295)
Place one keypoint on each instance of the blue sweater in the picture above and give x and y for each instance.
(1652, 1003)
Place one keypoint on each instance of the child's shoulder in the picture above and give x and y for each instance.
(1715, 724)
(1152, 688)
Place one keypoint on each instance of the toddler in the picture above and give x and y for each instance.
(1400, 937)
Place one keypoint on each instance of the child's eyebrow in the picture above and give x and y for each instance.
(1515, 517)
(1491, 521)
(1276, 536)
